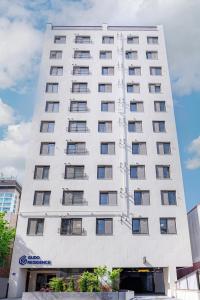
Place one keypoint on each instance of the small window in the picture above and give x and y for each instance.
(72, 198)
(155, 88)
(35, 226)
(77, 126)
(155, 71)
(137, 172)
(135, 126)
(108, 198)
(78, 106)
(60, 39)
(108, 106)
(41, 198)
(104, 226)
(71, 226)
(52, 106)
(159, 106)
(108, 39)
(82, 39)
(168, 197)
(76, 148)
(77, 70)
(163, 148)
(47, 148)
(52, 88)
(105, 126)
(134, 71)
(107, 71)
(108, 148)
(139, 148)
(152, 40)
(82, 54)
(131, 55)
(152, 55)
(105, 54)
(105, 88)
(141, 197)
(47, 126)
(162, 172)
(56, 71)
(55, 54)
(81, 87)
(136, 106)
(133, 88)
(74, 172)
(133, 40)
(104, 172)
(41, 172)
(140, 226)
(159, 126)
(168, 226)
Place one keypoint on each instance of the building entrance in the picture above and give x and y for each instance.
(143, 281)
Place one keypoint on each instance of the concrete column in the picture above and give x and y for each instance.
(17, 283)
(170, 278)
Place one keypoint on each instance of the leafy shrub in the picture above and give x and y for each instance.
(57, 284)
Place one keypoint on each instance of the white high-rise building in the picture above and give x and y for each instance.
(103, 183)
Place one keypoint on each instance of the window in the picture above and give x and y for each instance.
(163, 148)
(108, 148)
(41, 172)
(152, 55)
(82, 54)
(134, 71)
(56, 71)
(52, 106)
(71, 226)
(137, 172)
(41, 198)
(76, 148)
(80, 87)
(108, 39)
(152, 40)
(72, 198)
(52, 88)
(47, 126)
(47, 148)
(133, 40)
(108, 198)
(108, 106)
(77, 126)
(136, 106)
(104, 226)
(78, 106)
(159, 106)
(55, 54)
(168, 197)
(105, 88)
(105, 54)
(141, 197)
(159, 126)
(155, 88)
(131, 55)
(35, 226)
(155, 71)
(140, 226)
(167, 225)
(104, 172)
(162, 172)
(60, 39)
(107, 71)
(105, 126)
(139, 148)
(133, 88)
(82, 39)
(74, 172)
(77, 70)
(135, 126)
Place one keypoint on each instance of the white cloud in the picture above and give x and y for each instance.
(6, 114)
(194, 149)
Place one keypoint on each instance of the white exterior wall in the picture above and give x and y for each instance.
(194, 230)
(122, 249)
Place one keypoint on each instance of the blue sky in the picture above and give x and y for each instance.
(22, 24)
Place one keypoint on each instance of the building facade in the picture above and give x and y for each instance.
(103, 182)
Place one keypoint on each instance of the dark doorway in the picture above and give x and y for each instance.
(142, 281)
(42, 280)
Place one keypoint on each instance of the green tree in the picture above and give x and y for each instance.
(7, 235)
